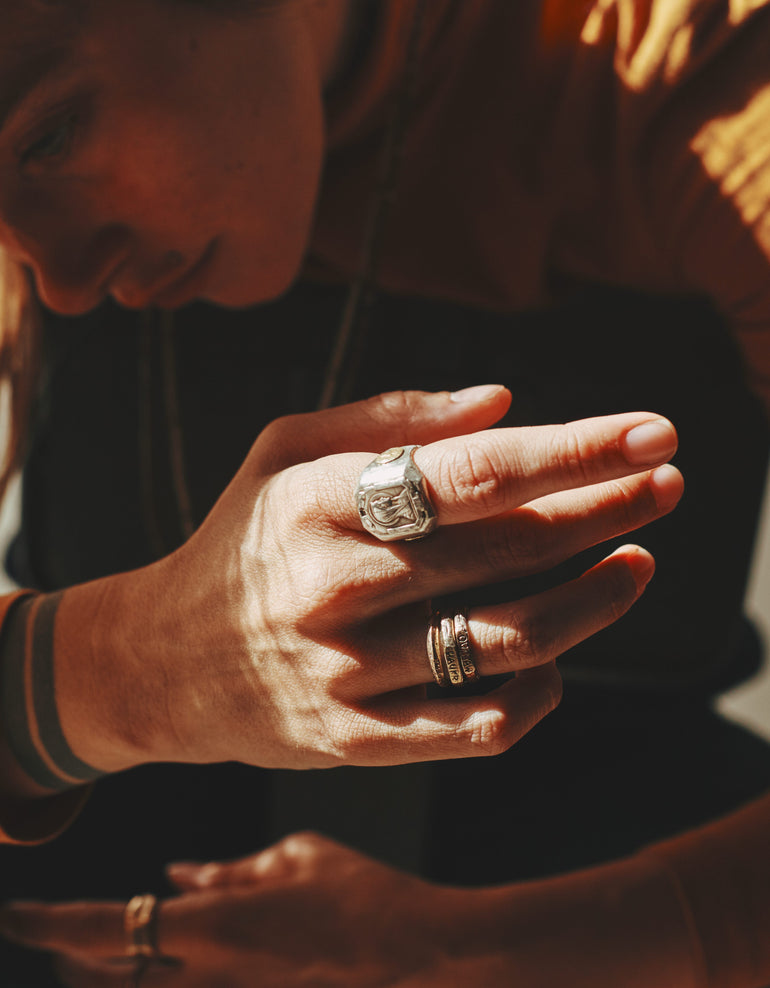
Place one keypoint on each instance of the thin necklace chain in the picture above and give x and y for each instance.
(342, 368)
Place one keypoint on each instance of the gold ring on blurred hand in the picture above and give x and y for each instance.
(140, 924)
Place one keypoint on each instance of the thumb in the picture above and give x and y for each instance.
(376, 424)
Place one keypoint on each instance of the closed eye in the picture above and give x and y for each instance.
(53, 144)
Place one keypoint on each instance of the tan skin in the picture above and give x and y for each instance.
(310, 912)
(280, 635)
(235, 646)
(234, 189)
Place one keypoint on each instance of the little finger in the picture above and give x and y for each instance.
(535, 630)
(462, 727)
(509, 637)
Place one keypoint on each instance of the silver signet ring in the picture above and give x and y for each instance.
(391, 497)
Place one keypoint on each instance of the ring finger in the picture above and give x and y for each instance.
(409, 728)
(524, 634)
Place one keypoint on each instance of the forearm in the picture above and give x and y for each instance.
(723, 870)
(617, 924)
(690, 912)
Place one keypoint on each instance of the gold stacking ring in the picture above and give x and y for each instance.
(140, 924)
(449, 649)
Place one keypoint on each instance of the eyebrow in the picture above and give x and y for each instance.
(16, 85)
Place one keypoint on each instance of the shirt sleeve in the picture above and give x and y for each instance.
(694, 138)
(666, 128)
(35, 819)
(693, 153)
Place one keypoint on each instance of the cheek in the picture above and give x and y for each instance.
(229, 146)
(261, 201)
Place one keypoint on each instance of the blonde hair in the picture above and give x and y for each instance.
(20, 320)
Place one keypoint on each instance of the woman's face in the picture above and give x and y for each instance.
(158, 151)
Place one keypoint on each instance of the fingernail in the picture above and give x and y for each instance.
(650, 442)
(640, 562)
(478, 393)
(667, 486)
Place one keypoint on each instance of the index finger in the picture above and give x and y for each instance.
(488, 473)
(92, 928)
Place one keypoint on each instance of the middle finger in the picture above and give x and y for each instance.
(527, 540)
(485, 474)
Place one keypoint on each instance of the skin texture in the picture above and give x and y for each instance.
(281, 635)
(167, 139)
(170, 151)
(310, 912)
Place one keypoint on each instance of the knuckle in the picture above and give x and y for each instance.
(573, 454)
(308, 493)
(276, 441)
(525, 641)
(633, 505)
(395, 406)
(473, 475)
(302, 845)
(553, 688)
(497, 546)
(491, 733)
(276, 431)
(613, 593)
(527, 539)
(621, 592)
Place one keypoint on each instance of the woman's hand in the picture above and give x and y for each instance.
(283, 635)
(311, 912)
(304, 912)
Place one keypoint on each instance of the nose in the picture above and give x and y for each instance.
(72, 276)
(72, 257)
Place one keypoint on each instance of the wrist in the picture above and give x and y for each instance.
(109, 697)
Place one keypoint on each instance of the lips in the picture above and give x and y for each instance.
(171, 289)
